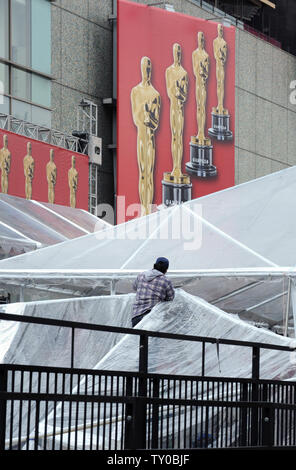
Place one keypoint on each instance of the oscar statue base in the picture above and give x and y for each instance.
(201, 161)
(220, 127)
(175, 192)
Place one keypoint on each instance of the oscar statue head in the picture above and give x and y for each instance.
(177, 54)
(5, 141)
(146, 69)
(201, 40)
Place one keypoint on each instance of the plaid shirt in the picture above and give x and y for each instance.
(152, 287)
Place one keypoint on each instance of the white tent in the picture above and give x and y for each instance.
(234, 248)
(26, 225)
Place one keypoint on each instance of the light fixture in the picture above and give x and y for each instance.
(167, 6)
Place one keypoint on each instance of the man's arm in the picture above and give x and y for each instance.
(135, 284)
(170, 293)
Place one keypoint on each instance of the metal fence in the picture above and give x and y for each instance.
(50, 408)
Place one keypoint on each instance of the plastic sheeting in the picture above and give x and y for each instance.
(193, 316)
(26, 224)
(33, 344)
(24, 343)
(185, 315)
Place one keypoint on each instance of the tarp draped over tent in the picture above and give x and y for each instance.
(41, 345)
(234, 248)
(186, 314)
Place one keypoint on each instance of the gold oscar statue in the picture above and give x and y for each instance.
(176, 187)
(145, 102)
(220, 116)
(73, 182)
(5, 162)
(29, 166)
(201, 149)
(51, 175)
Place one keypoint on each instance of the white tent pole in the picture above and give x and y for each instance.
(264, 272)
(238, 291)
(21, 293)
(19, 233)
(293, 299)
(264, 302)
(61, 217)
(287, 308)
(37, 221)
(112, 287)
(233, 240)
(148, 239)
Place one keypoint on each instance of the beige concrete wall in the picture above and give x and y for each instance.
(82, 68)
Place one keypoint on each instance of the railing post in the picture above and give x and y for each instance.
(3, 403)
(243, 417)
(268, 426)
(72, 346)
(256, 363)
(135, 415)
(155, 415)
(203, 358)
(141, 405)
(129, 416)
(143, 354)
(255, 395)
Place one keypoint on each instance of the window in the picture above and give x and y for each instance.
(41, 90)
(4, 104)
(4, 77)
(30, 87)
(20, 32)
(25, 59)
(41, 36)
(4, 29)
(4, 88)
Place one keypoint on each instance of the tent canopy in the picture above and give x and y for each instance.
(246, 226)
(235, 248)
(26, 225)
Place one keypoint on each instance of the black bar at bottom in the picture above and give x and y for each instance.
(3, 402)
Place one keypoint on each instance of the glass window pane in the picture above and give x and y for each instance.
(20, 32)
(4, 28)
(41, 90)
(21, 84)
(4, 104)
(22, 110)
(41, 36)
(41, 117)
(4, 79)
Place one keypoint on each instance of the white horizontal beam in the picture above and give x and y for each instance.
(267, 272)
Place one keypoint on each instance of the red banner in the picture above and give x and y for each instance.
(158, 43)
(43, 172)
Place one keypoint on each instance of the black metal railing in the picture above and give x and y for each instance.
(54, 408)
(144, 336)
